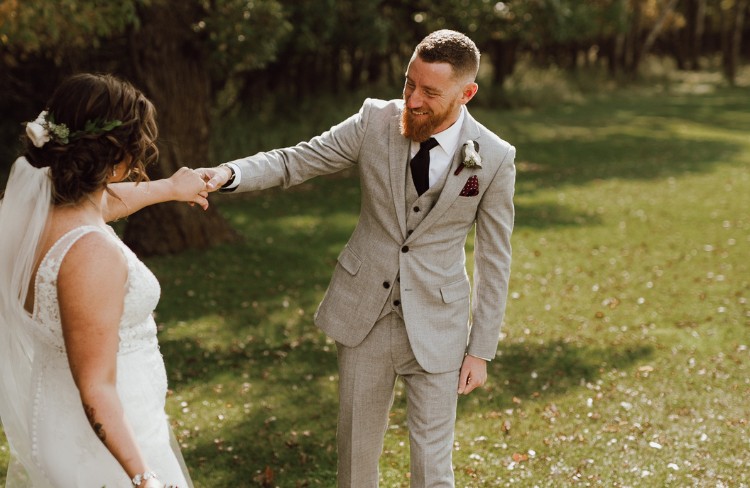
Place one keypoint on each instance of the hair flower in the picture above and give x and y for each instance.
(44, 129)
(37, 130)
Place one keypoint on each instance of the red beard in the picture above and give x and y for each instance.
(420, 131)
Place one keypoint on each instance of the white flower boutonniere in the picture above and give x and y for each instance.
(472, 159)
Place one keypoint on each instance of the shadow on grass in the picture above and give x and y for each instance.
(274, 451)
(539, 371)
(292, 438)
(543, 216)
(293, 443)
(191, 363)
(623, 137)
(617, 156)
(289, 425)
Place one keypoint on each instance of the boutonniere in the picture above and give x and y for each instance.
(472, 159)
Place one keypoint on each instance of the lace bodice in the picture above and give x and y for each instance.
(137, 327)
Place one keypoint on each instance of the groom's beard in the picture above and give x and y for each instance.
(421, 130)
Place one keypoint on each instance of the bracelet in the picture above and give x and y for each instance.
(141, 477)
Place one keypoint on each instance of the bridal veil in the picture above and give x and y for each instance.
(23, 215)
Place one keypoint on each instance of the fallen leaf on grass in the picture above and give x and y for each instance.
(520, 457)
(265, 478)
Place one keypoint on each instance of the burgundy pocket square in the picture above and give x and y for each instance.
(471, 188)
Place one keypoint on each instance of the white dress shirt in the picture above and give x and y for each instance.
(442, 154)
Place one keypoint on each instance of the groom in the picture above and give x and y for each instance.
(400, 303)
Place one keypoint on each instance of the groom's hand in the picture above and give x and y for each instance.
(216, 177)
(473, 374)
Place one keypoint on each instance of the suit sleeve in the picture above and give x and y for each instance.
(492, 258)
(330, 152)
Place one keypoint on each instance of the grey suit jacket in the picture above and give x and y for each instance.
(430, 259)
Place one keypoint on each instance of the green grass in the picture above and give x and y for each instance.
(626, 350)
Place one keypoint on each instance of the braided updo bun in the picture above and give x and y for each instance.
(82, 164)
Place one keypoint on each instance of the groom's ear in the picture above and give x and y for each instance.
(468, 92)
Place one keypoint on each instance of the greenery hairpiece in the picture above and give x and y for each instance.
(44, 129)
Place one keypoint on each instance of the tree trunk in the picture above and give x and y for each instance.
(503, 55)
(733, 40)
(169, 67)
(652, 36)
(632, 36)
(696, 25)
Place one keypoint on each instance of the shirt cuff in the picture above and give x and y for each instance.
(237, 177)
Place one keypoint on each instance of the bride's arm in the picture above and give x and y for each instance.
(91, 289)
(185, 185)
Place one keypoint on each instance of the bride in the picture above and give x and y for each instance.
(82, 382)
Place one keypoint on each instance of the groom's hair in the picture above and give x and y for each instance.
(454, 48)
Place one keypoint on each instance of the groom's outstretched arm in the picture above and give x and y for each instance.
(336, 149)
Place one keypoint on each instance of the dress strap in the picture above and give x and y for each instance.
(55, 255)
(49, 266)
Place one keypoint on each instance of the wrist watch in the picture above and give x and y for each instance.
(231, 176)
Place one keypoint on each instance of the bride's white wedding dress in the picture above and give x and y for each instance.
(64, 446)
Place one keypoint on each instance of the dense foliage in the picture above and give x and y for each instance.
(263, 55)
(297, 47)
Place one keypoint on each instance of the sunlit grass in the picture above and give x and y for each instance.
(625, 358)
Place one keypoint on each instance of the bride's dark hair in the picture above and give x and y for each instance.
(84, 163)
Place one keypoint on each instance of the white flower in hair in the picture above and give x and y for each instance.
(37, 130)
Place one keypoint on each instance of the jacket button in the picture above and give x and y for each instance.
(408, 232)
(405, 249)
(386, 284)
(416, 209)
(396, 302)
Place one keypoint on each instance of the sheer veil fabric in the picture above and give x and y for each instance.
(23, 216)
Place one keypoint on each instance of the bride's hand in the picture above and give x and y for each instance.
(189, 186)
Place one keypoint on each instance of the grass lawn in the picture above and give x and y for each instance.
(625, 357)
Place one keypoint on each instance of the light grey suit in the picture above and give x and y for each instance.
(426, 262)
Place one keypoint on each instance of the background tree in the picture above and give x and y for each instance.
(201, 59)
(733, 16)
(171, 50)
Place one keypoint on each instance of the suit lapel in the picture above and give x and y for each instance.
(453, 183)
(398, 157)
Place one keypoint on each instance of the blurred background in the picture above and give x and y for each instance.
(202, 61)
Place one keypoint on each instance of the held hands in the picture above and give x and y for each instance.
(473, 374)
(215, 177)
(188, 186)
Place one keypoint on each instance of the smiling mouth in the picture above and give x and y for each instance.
(414, 112)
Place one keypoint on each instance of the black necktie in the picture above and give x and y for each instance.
(420, 165)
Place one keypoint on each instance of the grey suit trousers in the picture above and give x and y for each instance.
(367, 377)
